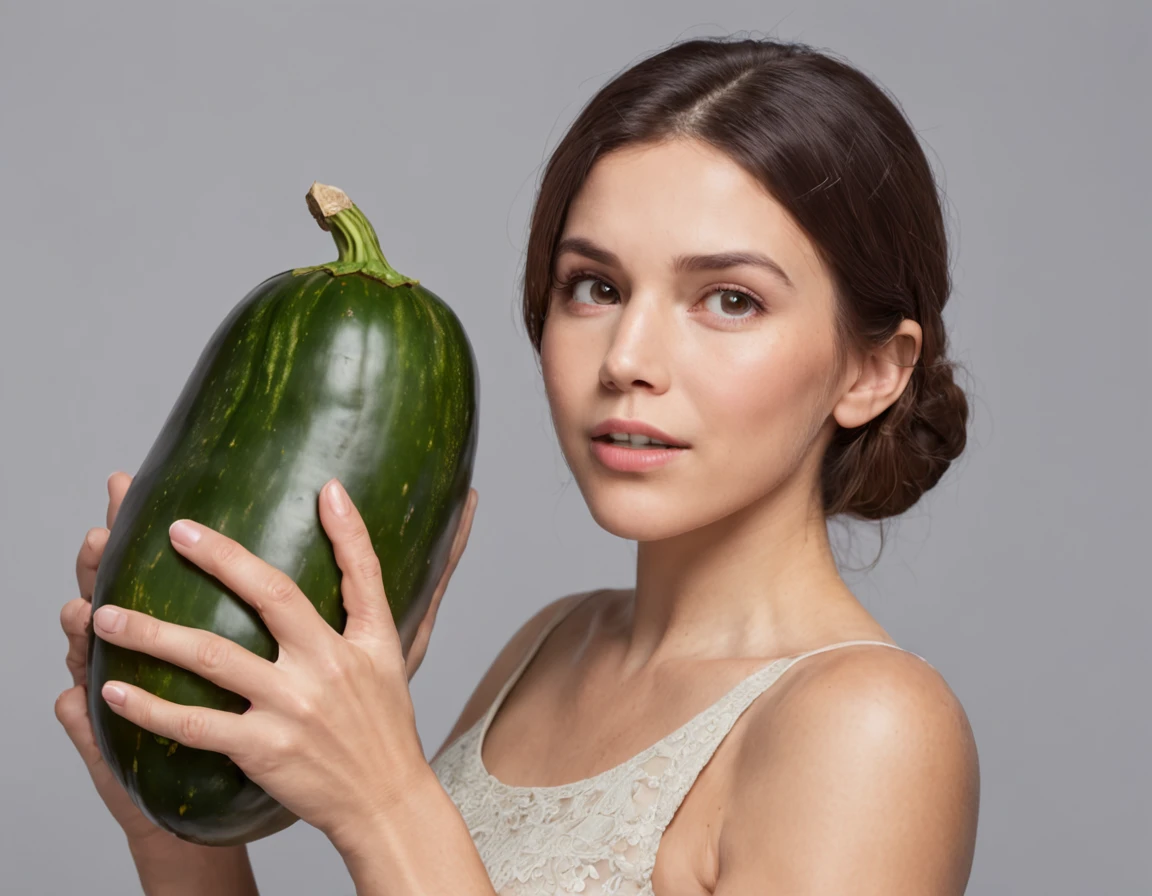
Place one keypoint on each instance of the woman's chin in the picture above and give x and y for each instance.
(625, 518)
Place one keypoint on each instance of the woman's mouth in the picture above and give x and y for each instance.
(635, 454)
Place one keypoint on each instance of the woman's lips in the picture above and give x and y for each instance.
(633, 460)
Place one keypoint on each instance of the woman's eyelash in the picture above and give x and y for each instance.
(565, 288)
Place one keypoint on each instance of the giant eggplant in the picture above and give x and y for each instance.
(347, 369)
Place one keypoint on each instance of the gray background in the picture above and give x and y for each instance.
(154, 162)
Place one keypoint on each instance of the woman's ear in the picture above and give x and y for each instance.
(882, 375)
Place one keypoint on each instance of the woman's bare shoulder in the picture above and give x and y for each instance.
(505, 663)
(871, 765)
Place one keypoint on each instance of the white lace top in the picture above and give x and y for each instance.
(598, 835)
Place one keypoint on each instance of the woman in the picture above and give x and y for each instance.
(738, 250)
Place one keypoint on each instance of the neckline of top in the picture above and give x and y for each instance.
(584, 782)
(485, 721)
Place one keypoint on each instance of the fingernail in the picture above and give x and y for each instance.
(113, 693)
(337, 499)
(110, 619)
(183, 532)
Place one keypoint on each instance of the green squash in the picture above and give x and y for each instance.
(349, 370)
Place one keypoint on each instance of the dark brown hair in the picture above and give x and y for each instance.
(836, 151)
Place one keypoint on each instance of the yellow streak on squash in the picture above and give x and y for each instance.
(139, 598)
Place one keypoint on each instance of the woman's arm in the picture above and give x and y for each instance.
(169, 866)
(862, 779)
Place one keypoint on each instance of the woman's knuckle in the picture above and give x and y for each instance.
(280, 742)
(279, 588)
(369, 566)
(151, 632)
(79, 673)
(62, 707)
(145, 712)
(213, 653)
(193, 727)
(334, 667)
(81, 616)
(304, 706)
(357, 535)
(68, 616)
(94, 538)
(224, 552)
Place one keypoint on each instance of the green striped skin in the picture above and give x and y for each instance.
(312, 375)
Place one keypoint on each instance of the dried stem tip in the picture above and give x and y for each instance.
(325, 201)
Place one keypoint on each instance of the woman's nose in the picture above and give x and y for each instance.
(637, 354)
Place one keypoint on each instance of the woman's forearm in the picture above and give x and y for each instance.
(169, 866)
(420, 848)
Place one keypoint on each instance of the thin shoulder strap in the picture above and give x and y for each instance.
(807, 653)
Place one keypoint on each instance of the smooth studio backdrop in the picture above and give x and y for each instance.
(155, 158)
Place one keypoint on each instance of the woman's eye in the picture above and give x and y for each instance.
(597, 290)
(733, 300)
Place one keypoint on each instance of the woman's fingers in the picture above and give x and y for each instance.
(291, 618)
(459, 543)
(88, 559)
(72, 713)
(95, 539)
(117, 487)
(74, 620)
(209, 655)
(193, 726)
(361, 582)
(424, 633)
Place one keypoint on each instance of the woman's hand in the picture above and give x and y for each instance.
(331, 732)
(72, 704)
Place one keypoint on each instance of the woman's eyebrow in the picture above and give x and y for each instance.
(682, 263)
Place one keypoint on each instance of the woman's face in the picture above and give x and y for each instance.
(685, 349)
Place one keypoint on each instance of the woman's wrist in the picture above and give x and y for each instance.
(360, 837)
(421, 846)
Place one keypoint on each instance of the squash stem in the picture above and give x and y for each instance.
(355, 238)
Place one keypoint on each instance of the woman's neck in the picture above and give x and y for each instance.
(762, 582)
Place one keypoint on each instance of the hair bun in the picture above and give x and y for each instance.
(884, 467)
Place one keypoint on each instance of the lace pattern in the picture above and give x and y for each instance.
(599, 835)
